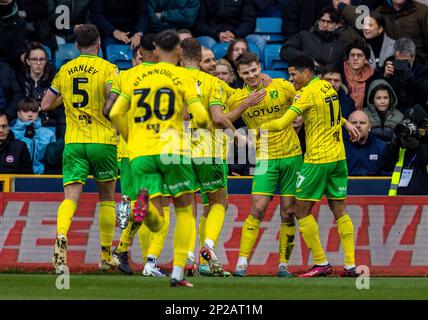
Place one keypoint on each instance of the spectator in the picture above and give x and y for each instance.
(208, 63)
(28, 128)
(331, 73)
(184, 34)
(270, 8)
(34, 78)
(381, 46)
(407, 75)
(35, 13)
(324, 43)
(79, 14)
(13, 33)
(363, 157)
(224, 71)
(120, 22)
(357, 72)
(404, 18)
(11, 91)
(407, 155)
(236, 47)
(381, 109)
(300, 15)
(226, 20)
(14, 155)
(175, 14)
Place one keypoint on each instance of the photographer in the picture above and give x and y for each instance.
(407, 76)
(408, 153)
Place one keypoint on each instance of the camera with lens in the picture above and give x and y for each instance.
(407, 128)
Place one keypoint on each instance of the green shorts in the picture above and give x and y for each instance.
(126, 178)
(211, 174)
(82, 159)
(153, 173)
(276, 173)
(315, 180)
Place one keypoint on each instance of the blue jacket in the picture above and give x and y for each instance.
(37, 145)
(364, 160)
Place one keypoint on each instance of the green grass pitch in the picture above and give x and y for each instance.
(116, 286)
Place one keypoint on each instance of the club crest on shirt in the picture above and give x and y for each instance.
(274, 94)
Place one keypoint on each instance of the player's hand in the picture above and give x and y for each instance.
(266, 80)
(226, 36)
(389, 69)
(353, 131)
(121, 36)
(254, 98)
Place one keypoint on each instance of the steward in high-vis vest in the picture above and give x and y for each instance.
(408, 152)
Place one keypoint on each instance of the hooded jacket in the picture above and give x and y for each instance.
(36, 145)
(14, 156)
(382, 129)
(387, 51)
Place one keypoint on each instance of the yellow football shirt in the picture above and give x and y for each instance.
(211, 93)
(279, 96)
(318, 103)
(116, 87)
(154, 99)
(82, 83)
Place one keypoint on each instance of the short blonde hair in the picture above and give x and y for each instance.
(224, 62)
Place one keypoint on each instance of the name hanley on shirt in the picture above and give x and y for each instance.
(80, 68)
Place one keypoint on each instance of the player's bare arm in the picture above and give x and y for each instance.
(111, 99)
(50, 101)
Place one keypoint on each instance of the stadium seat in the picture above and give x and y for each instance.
(270, 29)
(276, 74)
(253, 48)
(204, 42)
(272, 59)
(48, 51)
(120, 54)
(219, 50)
(67, 52)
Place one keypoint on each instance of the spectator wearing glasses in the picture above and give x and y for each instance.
(34, 78)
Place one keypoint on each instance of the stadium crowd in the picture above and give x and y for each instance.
(380, 70)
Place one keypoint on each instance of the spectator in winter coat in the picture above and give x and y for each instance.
(28, 128)
(14, 156)
(381, 108)
(11, 91)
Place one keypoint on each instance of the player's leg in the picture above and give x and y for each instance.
(75, 171)
(157, 241)
(123, 210)
(181, 182)
(287, 233)
(310, 187)
(288, 169)
(265, 181)
(103, 164)
(336, 194)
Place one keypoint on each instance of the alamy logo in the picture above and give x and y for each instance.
(63, 20)
(363, 12)
(62, 282)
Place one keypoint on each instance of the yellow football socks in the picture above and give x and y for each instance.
(154, 220)
(185, 222)
(309, 229)
(144, 237)
(157, 240)
(202, 233)
(287, 234)
(127, 235)
(250, 231)
(214, 222)
(346, 234)
(107, 221)
(65, 215)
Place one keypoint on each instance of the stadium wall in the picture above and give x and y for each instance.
(391, 235)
